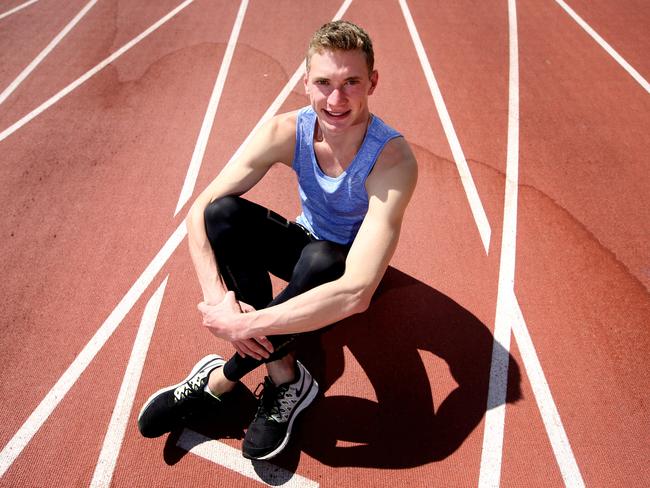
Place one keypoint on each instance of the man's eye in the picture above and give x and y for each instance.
(321, 82)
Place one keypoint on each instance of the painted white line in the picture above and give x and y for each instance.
(342, 9)
(208, 119)
(461, 163)
(231, 458)
(43, 54)
(38, 417)
(610, 50)
(550, 415)
(282, 96)
(124, 403)
(509, 317)
(491, 455)
(16, 9)
(75, 84)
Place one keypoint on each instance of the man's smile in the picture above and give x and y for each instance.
(336, 115)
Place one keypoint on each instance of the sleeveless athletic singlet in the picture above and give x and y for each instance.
(333, 208)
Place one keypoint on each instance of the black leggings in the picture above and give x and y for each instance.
(249, 242)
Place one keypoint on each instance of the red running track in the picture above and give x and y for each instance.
(91, 181)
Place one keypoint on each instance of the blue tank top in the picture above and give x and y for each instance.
(333, 208)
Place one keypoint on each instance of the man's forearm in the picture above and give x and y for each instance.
(203, 258)
(312, 310)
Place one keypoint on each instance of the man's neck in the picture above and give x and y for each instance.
(335, 151)
(343, 143)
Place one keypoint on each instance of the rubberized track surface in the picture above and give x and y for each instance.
(529, 225)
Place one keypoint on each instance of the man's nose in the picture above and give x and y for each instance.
(336, 97)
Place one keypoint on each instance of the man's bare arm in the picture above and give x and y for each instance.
(273, 143)
(390, 187)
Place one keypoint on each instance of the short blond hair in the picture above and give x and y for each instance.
(341, 35)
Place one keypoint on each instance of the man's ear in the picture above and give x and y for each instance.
(374, 78)
(305, 82)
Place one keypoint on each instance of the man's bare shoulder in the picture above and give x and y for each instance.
(276, 139)
(278, 136)
(397, 159)
(393, 179)
(284, 124)
(281, 128)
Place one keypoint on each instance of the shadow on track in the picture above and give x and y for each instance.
(404, 428)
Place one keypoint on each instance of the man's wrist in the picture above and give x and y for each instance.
(213, 298)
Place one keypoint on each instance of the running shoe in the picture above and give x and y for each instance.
(279, 406)
(169, 407)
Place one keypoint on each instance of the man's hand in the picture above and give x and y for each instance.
(219, 319)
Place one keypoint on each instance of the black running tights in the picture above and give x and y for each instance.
(249, 242)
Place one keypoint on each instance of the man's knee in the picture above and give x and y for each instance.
(223, 217)
(323, 260)
(222, 209)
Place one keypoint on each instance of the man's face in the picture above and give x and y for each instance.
(338, 85)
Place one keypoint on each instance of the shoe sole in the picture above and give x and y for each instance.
(307, 400)
(197, 367)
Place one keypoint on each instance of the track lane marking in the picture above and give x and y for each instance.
(126, 396)
(544, 398)
(43, 54)
(605, 45)
(510, 318)
(224, 455)
(17, 8)
(459, 157)
(85, 77)
(42, 412)
(208, 120)
(492, 451)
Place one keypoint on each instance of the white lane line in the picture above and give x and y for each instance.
(459, 157)
(124, 403)
(492, 450)
(231, 458)
(550, 415)
(510, 318)
(38, 417)
(491, 455)
(16, 9)
(43, 54)
(284, 93)
(208, 119)
(47, 104)
(610, 50)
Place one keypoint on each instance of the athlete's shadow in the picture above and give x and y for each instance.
(406, 426)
